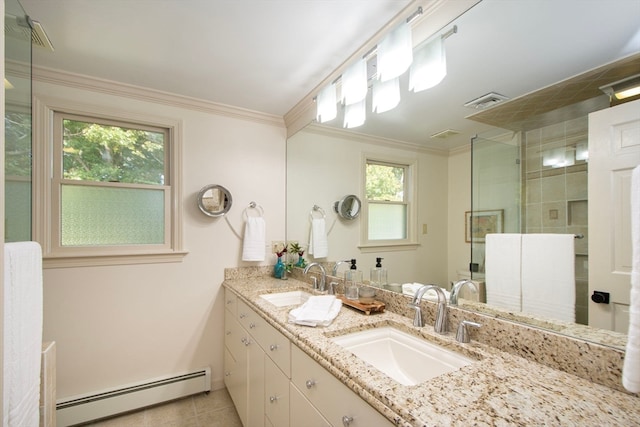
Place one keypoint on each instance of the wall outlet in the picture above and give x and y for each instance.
(277, 246)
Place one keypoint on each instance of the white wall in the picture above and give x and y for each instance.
(120, 324)
(459, 186)
(324, 167)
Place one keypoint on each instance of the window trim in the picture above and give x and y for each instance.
(411, 181)
(43, 195)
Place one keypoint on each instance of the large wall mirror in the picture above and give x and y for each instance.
(516, 50)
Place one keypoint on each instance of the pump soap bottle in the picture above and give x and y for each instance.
(378, 275)
(352, 280)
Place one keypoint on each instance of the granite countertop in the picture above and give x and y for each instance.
(500, 389)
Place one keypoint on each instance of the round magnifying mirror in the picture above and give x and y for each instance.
(348, 207)
(214, 200)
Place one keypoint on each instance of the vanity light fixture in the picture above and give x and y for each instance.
(622, 89)
(327, 109)
(385, 95)
(429, 65)
(395, 53)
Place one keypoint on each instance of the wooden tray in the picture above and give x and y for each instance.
(374, 307)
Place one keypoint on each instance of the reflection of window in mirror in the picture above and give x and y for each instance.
(388, 202)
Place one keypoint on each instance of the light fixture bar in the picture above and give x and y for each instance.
(372, 52)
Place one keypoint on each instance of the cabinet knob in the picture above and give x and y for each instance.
(242, 315)
(347, 420)
(252, 325)
(228, 332)
(227, 374)
(229, 301)
(273, 399)
(273, 347)
(310, 383)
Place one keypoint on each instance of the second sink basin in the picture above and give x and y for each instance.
(405, 358)
(283, 299)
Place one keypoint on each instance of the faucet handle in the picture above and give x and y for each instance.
(314, 282)
(463, 331)
(332, 288)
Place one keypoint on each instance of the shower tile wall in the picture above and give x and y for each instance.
(555, 192)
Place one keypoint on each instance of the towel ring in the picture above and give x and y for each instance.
(253, 205)
(315, 209)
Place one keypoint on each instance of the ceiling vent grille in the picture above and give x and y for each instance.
(445, 134)
(19, 28)
(486, 101)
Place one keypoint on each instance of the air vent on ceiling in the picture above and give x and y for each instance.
(18, 28)
(445, 134)
(486, 101)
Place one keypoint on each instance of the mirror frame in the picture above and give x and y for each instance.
(343, 207)
(227, 204)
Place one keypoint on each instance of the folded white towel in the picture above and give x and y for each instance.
(631, 367)
(318, 310)
(431, 295)
(22, 333)
(254, 242)
(548, 276)
(503, 270)
(318, 242)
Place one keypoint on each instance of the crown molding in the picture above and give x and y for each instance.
(109, 87)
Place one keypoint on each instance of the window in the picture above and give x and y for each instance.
(388, 203)
(113, 188)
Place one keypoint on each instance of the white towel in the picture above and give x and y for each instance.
(631, 367)
(22, 333)
(254, 242)
(502, 270)
(317, 310)
(410, 289)
(318, 243)
(548, 276)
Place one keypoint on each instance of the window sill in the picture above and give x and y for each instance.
(388, 247)
(120, 259)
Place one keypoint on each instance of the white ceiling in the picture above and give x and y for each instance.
(266, 55)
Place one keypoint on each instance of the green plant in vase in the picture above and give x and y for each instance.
(296, 248)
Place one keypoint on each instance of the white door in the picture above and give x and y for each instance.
(614, 150)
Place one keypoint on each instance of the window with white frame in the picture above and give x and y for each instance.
(388, 202)
(113, 191)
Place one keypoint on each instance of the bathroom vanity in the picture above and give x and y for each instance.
(281, 374)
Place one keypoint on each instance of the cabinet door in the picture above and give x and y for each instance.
(255, 379)
(278, 348)
(235, 379)
(276, 395)
(233, 335)
(230, 301)
(302, 411)
(335, 401)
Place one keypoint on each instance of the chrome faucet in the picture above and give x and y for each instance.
(323, 275)
(457, 287)
(337, 264)
(440, 325)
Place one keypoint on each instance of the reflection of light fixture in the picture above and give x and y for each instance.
(395, 53)
(624, 88)
(326, 104)
(385, 95)
(429, 66)
(354, 83)
(558, 158)
(355, 114)
(582, 151)
(7, 84)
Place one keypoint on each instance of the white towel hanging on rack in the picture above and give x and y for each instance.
(254, 242)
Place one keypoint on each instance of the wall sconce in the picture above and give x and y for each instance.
(623, 89)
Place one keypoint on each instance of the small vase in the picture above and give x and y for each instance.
(279, 270)
(301, 262)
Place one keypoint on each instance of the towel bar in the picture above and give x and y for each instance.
(314, 209)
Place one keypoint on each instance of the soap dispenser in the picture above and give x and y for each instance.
(378, 275)
(352, 281)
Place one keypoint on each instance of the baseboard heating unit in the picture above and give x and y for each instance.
(84, 408)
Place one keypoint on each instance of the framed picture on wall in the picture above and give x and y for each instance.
(481, 223)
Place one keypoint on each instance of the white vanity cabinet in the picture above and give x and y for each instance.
(275, 384)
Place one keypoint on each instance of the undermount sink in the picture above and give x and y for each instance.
(283, 299)
(405, 358)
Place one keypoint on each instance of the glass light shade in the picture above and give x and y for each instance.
(429, 65)
(582, 151)
(355, 114)
(386, 95)
(326, 101)
(395, 53)
(354, 83)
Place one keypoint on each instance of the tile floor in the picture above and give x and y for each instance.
(213, 410)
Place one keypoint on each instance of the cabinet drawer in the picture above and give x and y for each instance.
(234, 335)
(235, 379)
(251, 320)
(230, 301)
(276, 393)
(278, 348)
(303, 413)
(333, 399)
